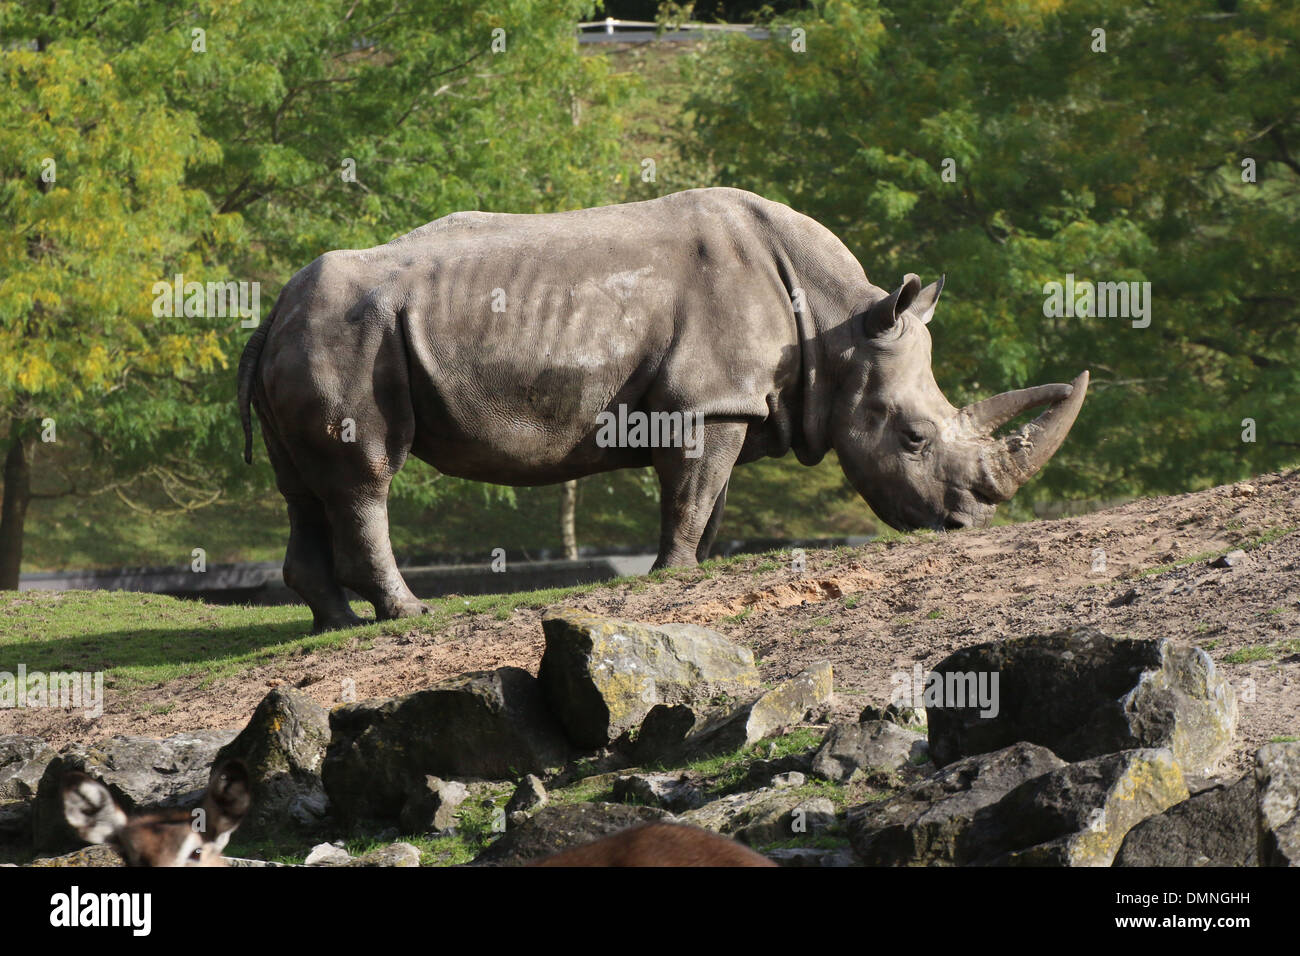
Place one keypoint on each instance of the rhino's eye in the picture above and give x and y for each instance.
(913, 440)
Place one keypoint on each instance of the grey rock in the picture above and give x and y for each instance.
(142, 774)
(1080, 814)
(663, 731)
(491, 725)
(848, 748)
(1215, 827)
(327, 854)
(765, 816)
(283, 747)
(811, 857)
(432, 805)
(791, 778)
(768, 715)
(674, 793)
(307, 810)
(1229, 560)
(22, 761)
(932, 821)
(763, 772)
(1083, 694)
(529, 795)
(602, 676)
(99, 854)
(256, 864)
(903, 716)
(396, 854)
(1277, 786)
(15, 822)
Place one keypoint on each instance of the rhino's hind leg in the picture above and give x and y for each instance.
(711, 529)
(309, 559)
(363, 555)
(309, 566)
(691, 492)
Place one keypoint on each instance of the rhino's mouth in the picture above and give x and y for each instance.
(974, 515)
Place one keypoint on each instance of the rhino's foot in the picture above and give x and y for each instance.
(412, 608)
(335, 622)
(683, 559)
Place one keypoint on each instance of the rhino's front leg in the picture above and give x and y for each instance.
(690, 488)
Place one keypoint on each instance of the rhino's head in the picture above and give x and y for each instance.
(918, 461)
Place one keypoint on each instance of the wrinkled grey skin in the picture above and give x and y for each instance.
(683, 303)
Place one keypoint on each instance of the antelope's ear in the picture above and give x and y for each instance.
(90, 809)
(227, 800)
(885, 313)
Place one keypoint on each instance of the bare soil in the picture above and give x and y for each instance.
(874, 611)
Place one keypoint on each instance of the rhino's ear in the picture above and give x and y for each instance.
(884, 314)
(925, 301)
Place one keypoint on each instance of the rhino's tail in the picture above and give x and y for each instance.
(248, 363)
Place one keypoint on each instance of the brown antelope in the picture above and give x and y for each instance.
(169, 838)
(659, 844)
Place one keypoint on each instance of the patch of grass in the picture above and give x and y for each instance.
(596, 789)
(142, 640)
(819, 621)
(737, 618)
(935, 615)
(835, 792)
(1248, 655)
(728, 770)
(1251, 544)
(852, 601)
(1284, 739)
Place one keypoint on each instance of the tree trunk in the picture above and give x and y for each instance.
(569, 519)
(13, 511)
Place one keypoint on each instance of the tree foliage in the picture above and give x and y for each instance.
(236, 141)
(1122, 165)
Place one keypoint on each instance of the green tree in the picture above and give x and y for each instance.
(237, 142)
(94, 198)
(1114, 164)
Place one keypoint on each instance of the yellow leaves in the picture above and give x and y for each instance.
(1016, 14)
(94, 366)
(35, 374)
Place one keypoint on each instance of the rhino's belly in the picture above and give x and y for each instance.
(521, 406)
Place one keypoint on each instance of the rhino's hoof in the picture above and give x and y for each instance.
(337, 622)
(405, 609)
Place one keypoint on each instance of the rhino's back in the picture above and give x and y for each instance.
(520, 329)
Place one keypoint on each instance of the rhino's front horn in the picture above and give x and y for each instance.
(983, 417)
(1013, 460)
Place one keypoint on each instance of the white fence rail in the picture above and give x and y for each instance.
(612, 29)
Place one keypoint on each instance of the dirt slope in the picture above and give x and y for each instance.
(880, 609)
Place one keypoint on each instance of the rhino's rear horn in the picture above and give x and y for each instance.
(1013, 460)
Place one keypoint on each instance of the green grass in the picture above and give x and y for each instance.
(727, 771)
(146, 639)
(1267, 537)
(1284, 739)
(1247, 655)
